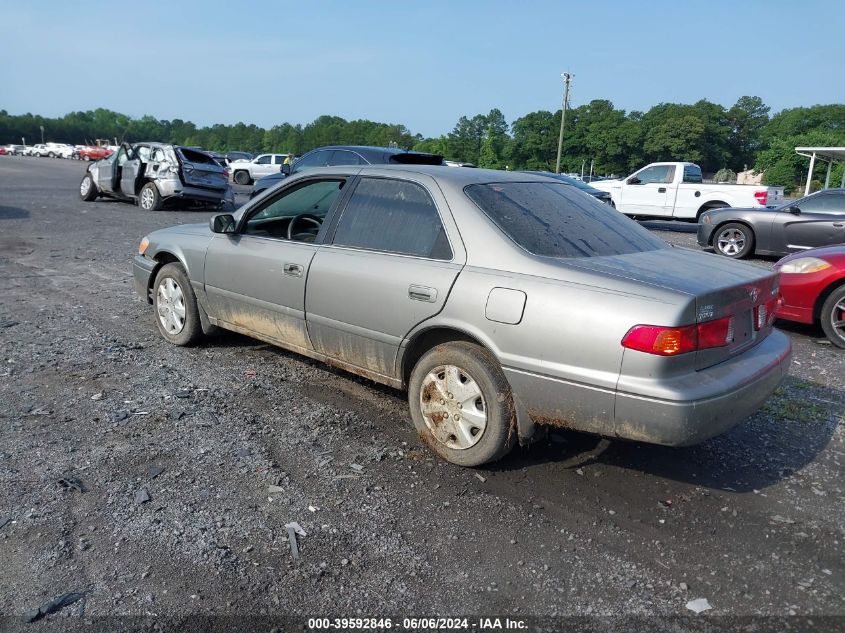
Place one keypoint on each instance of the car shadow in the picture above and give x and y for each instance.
(13, 213)
(675, 226)
(794, 425)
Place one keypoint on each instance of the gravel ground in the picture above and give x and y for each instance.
(192, 461)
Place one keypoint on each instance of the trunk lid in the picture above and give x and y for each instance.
(198, 169)
(719, 287)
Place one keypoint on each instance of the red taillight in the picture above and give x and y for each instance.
(670, 341)
(225, 173)
(762, 197)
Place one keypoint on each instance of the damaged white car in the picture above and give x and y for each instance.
(155, 174)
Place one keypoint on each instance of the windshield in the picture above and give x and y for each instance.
(556, 220)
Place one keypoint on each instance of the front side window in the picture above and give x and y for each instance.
(556, 220)
(657, 173)
(311, 200)
(309, 161)
(823, 203)
(393, 216)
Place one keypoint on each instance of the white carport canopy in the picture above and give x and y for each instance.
(829, 154)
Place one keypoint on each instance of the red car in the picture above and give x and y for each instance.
(812, 287)
(93, 153)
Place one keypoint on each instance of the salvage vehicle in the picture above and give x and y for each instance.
(812, 288)
(244, 172)
(346, 155)
(154, 174)
(815, 220)
(500, 301)
(677, 190)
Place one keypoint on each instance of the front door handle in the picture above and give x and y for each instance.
(422, 293)
(839, 225)
(661, 190)
(294, 270)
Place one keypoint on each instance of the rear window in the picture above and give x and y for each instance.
(412, 158)
(194, 156)
(557, 220)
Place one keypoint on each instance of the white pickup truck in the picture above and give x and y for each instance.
(677, 190)
(244, 172)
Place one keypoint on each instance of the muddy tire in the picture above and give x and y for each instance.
(175, 306)
(833, 317)
(462, 405)
(149, 199)
(734, 240)
(87, 189)
(242, 177)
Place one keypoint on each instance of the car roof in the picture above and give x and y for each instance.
(456, 176)
(371, 150)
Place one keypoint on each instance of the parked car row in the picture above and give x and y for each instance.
(58, 150)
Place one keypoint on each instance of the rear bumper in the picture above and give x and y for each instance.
(142, 272)
(693, 407)
(719, 398)
(705, 233)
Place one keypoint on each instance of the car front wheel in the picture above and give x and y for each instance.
(734, 240)
(462, 405)
(833, 317)
(87, 188)
(175, 304)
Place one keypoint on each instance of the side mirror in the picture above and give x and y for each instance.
(285, 169)
(222, 223)
(793, 210)
(633, 180)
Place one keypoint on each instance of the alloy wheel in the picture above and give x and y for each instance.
(731, 241)
(170, 306)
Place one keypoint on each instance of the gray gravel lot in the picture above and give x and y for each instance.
(250, 437)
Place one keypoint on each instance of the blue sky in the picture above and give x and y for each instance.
(423, 64)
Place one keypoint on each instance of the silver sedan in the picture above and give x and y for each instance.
(501, 302)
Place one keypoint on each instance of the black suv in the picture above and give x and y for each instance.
(346, 155)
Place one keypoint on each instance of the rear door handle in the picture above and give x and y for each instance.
(661, 190)
(422, 293)
(294, 270)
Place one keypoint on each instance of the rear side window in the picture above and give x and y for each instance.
(193, 156)
(557, 220)
(345, 157)
(692, 173)
(393, 216)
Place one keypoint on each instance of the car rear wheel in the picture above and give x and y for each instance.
(242, 177)
(734, 240)
(87, 188)
(833, 317)
(149, 199)
(462, 405)
(175, 304)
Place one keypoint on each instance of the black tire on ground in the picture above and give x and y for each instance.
(149, 199)
(87, 189)
(833, 317)
(51, 155)
(242, 177)
(478, 365)
(734, 240)
(167, 300)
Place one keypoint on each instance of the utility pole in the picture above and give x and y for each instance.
(566, 79)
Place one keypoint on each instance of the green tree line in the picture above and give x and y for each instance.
(743, 136)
